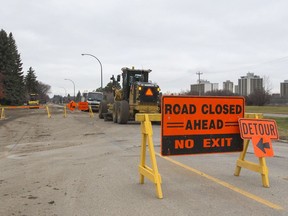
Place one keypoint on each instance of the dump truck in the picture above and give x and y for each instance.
(137, 95)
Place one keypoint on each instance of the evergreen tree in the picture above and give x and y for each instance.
(78, 97)
(3, 63)
(12, 86)
(11, 75)
(68, 98)
(31, 82)
(1, 87)
(17, 73)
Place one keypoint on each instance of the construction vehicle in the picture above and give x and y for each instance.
(137, 95)
(33, 101)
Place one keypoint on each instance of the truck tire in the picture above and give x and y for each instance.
(103, 108)
(106, 117)
(123, 112)
(115, 111)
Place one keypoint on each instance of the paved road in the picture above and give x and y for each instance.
(84, 166)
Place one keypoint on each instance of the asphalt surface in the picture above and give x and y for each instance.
(85, 166)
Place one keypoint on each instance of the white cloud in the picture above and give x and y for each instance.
(223, 39)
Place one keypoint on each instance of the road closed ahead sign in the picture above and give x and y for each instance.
(194, 125)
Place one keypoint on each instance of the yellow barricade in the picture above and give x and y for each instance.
(152, 173)
(147, 134)
(23, 107)
(242, 163)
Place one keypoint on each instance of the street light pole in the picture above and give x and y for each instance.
(73, 85)
(100, 67)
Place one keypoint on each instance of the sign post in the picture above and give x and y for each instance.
(195, 125)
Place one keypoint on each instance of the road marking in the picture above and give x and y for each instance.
(225, 184)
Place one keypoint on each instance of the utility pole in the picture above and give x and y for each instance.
(199, 80)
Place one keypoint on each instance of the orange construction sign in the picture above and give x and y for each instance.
(195, 125)
(72, 105)
(261, 131)
(83, 106)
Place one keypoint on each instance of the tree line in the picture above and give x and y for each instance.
(15, 87)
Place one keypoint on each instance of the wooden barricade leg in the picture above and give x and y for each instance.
(242, 163)
(241, 158)
(145, 171)
(2, 113)
(264, 172)
(91, 112)
(65, 112)
(48, 112)
(157, 176)
(143, 155)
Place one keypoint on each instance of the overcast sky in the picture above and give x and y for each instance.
(175, 39)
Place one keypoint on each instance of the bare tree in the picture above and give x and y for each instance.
(258, 98)
(267, 84)
(43, 91)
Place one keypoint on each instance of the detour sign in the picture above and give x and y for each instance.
(261, 131)
(194, 125)
(71, 105)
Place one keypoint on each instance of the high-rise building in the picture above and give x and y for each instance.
(203, 87)
(249, 83)
(228, 86)
(284, 89)
(236, 91)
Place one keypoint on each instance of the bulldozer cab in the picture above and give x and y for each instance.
(130, 76)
